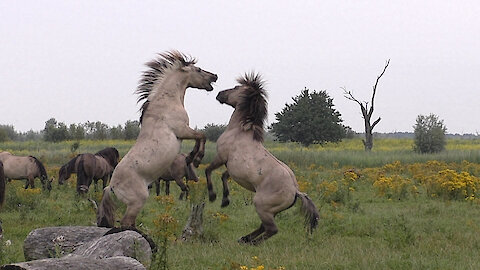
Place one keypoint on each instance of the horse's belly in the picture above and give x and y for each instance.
(245, 184)
(13, 171)
(241, 172)
(150, 159)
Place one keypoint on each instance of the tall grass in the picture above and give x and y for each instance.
(362, 231)
(349, 152)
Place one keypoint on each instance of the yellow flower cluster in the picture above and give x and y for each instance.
(452, 181)
(220, 216)
(257, 262)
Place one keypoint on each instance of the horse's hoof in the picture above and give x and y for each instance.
(212, 197)
(225, 203)
(243, 240)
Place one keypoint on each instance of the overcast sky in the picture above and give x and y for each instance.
(81, 60)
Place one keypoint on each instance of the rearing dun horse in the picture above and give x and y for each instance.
(164, 124)
(240, 148)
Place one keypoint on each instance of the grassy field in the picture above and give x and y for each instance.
(389, 209)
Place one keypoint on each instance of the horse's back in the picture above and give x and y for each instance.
(17, 167)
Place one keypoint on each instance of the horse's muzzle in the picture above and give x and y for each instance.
(222, 97)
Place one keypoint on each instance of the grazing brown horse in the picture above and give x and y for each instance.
(2, 185)
(164, 124)
(29, 168)
(240, 148)
(90, 167)
(177, 171)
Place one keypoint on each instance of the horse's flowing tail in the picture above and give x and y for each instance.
(106, 210)
(2, 185)
(309, 210)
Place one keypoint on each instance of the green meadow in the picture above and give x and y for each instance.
(388, 209)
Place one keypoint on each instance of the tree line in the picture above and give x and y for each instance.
(310, 119)
(55, 131)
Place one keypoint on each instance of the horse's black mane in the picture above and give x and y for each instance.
(253, 107)
(43, 172)
(110, 154)
(155, 72)
(69, 166)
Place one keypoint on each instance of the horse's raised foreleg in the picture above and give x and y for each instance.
(226, 192)
(208, 173)
(186, 133)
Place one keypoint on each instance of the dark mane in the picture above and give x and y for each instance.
(155, 73)
(68, 167)
(253, 107)
(41, 168)
(110, 154)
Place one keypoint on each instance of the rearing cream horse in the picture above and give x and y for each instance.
(164, 123)
(241, 150)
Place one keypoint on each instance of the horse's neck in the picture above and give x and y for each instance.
(170, 89)
(235, 120)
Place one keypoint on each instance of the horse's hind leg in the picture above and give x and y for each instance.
(268, 223)
(157, 187)
(226, 192)
(167, 187)
(31, 182)
(133, 208)
(249, 237)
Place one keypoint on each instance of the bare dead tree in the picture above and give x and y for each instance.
(367, 111)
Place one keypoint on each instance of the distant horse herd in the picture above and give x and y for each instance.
(156, 156)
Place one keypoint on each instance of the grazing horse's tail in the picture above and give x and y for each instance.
(106, 209)
(309, 210)
(2, 185)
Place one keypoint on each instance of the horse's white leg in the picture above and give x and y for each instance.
(216, 163)
(134, 205)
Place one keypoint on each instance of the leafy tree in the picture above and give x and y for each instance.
(213, 131)
(76, 132)
(55, 131)
(132, 129)
(3, 136)
(7, 133)
(311, 118)
(429, 134)
(116, 133)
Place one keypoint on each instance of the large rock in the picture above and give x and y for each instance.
(86, 247)
(54, 242)
(78, 262)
